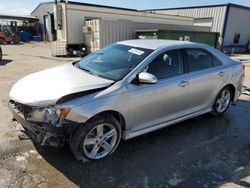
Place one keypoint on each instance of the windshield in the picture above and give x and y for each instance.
(113, 62)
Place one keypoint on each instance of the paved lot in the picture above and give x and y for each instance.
(201, 152)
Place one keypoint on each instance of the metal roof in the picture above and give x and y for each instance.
(203, 6)
(109, 7)
(85, 4)
(17, 17)
(95, 5)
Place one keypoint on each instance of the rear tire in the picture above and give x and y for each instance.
(2, 41)
(222, 101)
(96, 139)
(1, 54)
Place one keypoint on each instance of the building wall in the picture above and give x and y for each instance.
(238, 22)
(105, 32)
(62, 34)
(76, 15)
(116, 14)
(217, 14)
(44, 9)
(74, 19)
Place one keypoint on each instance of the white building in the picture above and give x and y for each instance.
(63, 22)
(230, 20)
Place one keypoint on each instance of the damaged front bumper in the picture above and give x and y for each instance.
(45, 134)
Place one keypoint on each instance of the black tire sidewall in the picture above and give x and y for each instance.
(77, 139)
(1, 54)
(2, 41)
(214, 109)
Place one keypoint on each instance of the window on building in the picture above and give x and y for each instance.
(236, 38)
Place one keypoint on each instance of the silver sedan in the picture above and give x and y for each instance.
(122, 91)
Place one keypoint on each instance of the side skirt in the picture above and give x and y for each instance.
(129, 134)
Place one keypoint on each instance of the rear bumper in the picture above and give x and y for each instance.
(44, 134)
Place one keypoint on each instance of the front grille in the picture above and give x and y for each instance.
(22, 108)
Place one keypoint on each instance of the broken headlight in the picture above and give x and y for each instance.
(56, 116)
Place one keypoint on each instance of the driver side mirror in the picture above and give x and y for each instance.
(147, 78)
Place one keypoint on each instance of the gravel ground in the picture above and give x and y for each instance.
(201, 152)
(19, 61)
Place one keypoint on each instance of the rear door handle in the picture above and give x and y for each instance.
(221, 73)
(183, 83)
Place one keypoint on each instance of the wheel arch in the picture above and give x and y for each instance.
(117, 115)
(77, 137)
(233, 89)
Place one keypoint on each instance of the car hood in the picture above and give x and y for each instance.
(46, 87)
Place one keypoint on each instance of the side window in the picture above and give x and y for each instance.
(167, 64)
(199, 59)
(216, 62)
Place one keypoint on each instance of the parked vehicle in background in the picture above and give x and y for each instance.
(122, 91)
(7, 35)
(1, 54)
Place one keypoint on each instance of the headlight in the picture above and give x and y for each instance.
(56, 116)
(52, 114)
(37, 114)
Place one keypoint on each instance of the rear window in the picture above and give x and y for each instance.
(216, 61)
(199, 59)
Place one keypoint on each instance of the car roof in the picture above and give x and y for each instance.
(154, 44)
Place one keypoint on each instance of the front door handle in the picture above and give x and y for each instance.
(221, 73)
(183, 83)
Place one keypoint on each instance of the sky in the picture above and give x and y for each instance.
(25, 7)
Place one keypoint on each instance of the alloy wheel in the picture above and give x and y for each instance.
(223, 101)
(100, 141)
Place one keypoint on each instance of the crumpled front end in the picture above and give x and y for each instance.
(45, 126)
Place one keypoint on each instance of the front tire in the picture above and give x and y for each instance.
(96, 139)
(222, 101)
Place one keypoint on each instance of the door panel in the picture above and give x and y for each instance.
(157, 103)
(166, 100)
(205, 79)
(203, 88)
